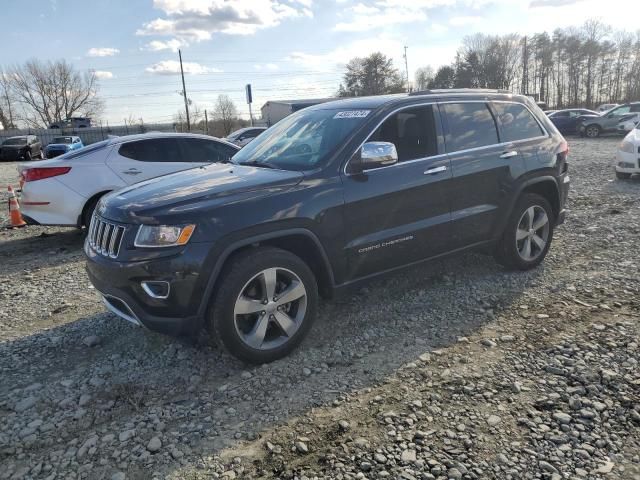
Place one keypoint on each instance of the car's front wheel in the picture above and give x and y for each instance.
(592, 131)
(528, 234)
(265, 305)
(27, 156)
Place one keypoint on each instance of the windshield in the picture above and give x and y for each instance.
(302, 141)
(62, 140)
(16, 141)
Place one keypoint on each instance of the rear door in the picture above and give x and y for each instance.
(143, 159)
(399, 214)
(483, 167)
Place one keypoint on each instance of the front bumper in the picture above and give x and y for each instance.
(121, 285)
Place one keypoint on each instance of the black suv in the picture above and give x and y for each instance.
(331, 195)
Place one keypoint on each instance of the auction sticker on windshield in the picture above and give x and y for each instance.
(352, 114)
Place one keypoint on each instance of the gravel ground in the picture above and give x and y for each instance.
(453, 370)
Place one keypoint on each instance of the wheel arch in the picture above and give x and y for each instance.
(85, 207)
(299, 241)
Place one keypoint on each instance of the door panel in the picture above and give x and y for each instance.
(482, 183)
(396, 215)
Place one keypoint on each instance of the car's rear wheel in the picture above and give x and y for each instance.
(592, 131)
(265, 305)
(622, 175)
(528, 234)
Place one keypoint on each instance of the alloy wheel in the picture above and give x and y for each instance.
(532, 234)
(270, 308)
(592, 131)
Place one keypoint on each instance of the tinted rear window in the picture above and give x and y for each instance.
(16, 141)
(471, 125)
(153, 150)
(516, 122)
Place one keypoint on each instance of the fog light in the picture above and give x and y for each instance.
(156, 289)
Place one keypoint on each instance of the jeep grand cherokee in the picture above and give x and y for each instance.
(331, 195)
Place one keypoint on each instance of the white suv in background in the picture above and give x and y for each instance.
(65, 190)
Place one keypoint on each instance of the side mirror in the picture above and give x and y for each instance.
(374, 155)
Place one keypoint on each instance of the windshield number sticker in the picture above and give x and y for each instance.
(352, 114)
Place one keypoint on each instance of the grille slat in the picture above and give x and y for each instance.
(105, 237)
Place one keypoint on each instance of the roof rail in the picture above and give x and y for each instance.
(458, 90)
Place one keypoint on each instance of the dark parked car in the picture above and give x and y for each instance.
(73, 122)
(330, 196)
(23, 147)
(607, 122)
(566, 121)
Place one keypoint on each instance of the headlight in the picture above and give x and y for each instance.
(163, 235)
(627, 146)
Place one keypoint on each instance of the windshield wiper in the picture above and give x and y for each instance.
(255, 163)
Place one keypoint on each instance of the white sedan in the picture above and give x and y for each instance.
(66, 189)
(628, 156)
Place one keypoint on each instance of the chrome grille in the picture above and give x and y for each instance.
(105, 237)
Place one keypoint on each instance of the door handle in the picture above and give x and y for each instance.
(510, 154)
(132, 171)
(434, 170)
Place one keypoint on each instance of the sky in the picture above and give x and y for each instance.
(286, 49)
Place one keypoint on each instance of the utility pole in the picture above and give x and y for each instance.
(184, 92)
(406, 67)
(206, 123)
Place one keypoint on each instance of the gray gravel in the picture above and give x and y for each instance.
(456, 369)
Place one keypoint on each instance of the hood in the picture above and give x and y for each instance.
(59, 145)
(181, 197)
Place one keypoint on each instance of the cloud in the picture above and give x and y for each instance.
(197, 20)
(102, 52)
(103, 74)
(172, 67)
(464, 20)
(266, 66)
(157, 45)
(552, 3)
(367, 15)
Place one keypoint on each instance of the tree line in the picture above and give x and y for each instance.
(575, 66)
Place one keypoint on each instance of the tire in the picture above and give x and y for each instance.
(246, 278)
(88, 210)
(27, 156)
(511, 251)
(623, 176)
(592, 131)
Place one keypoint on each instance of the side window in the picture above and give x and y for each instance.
(562, 115)
(471, 125)
(516, 122)
(153, 150)
(412, 131)
(200, 150)
(620, 111)
(635, 108)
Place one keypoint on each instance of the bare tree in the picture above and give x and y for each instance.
(6, 102)
(49, 92)
(225, 111)
(423, 76)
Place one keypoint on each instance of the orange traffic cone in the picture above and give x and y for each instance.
(14, 210)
